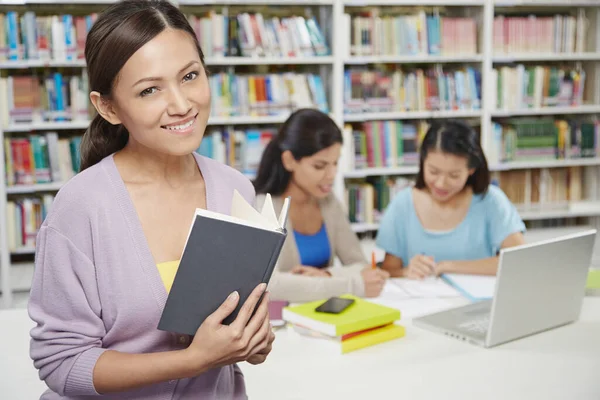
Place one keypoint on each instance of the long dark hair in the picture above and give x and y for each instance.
(458, 138)
(120, 31)
(306, 132)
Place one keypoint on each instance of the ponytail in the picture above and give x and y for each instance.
(100, 140)
(272, 177)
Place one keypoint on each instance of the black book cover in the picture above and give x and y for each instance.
(220, 257)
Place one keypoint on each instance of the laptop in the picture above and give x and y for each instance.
(539, 286)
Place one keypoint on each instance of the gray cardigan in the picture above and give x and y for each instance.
(343, 243)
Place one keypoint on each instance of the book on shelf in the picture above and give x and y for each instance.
(41, 158)
(545, 138)
(367, 201)
(558, 33)
(49, 97)
(265, 94)
(378, 144)
(397, 90)
(362, 324)
(535, 86)
(240, 149)
(418, 34)
(544, 188)
(254, 35)
(28, 36)
(24, 217)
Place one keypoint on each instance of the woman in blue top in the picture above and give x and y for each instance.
(453, 220)
(301, 162)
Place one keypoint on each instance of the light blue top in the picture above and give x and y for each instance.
(314, 250)
(489, 220)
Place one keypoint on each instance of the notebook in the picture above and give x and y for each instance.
(473, 287)
(222, 254)
(359, 316)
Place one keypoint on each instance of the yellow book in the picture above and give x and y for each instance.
(359, 316)
(373, 337)
(359, 340)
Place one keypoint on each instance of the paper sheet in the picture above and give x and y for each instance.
(475, 287)
(425, 288)
(393, 295)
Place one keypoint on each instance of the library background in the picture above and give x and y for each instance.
(524, 73)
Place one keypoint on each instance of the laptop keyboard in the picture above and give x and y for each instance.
(477, 325)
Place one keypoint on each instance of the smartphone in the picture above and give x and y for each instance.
(335, 305)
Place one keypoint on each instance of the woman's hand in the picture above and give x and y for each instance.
(309, 271)
(374, 279)
(247, 337)
(420, 266)
(261, 356)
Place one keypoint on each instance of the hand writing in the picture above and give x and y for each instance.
(421, 266)
(374, 280)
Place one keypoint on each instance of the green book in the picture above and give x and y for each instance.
(359, 316)
(593, 280)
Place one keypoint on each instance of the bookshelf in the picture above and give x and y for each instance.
(357, 33)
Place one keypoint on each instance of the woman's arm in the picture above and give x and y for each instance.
(66, 343)
(119, 372)
(484, 266)
(301, 288)
(393, 265)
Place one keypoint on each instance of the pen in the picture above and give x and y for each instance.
(373, 263)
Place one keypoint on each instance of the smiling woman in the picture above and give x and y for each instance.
(108, 250)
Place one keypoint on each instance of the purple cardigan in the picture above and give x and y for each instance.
(96, 287)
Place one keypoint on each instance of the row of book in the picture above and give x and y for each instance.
(32, 37)
(46, 157)
(29, 36)
(266, 94)
(58, 97)
(240, 149)
(387, 90)
(542, 188)
(367, 200)
(46, 97)
(378, 144)
(24, 217)
(540, 34)
(526, 139)
(41, 158)
(253, 35)
(414, 34)
(522, 86)
(528, 189)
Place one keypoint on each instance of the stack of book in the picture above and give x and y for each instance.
(361, 325)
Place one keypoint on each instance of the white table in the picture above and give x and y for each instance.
(563, 363)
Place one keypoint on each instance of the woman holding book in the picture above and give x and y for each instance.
(100, 281)
(453, 220)
(301, 162)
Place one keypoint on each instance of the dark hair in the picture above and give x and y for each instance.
(306, 132)
(120, 31)
(458, 138)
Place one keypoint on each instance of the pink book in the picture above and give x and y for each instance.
(275, 312)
